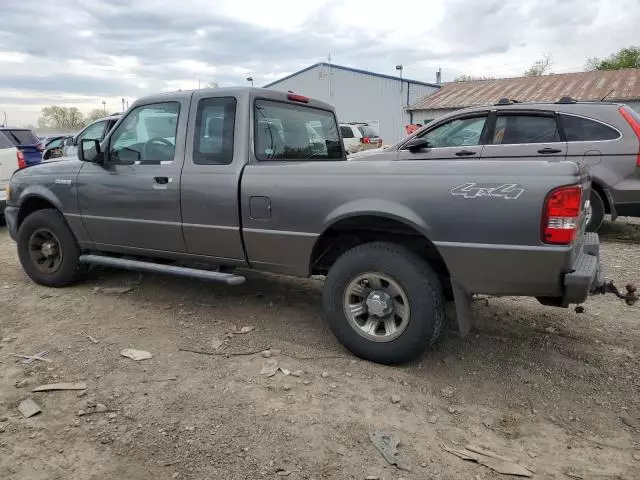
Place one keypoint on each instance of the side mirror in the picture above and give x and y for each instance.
(89, 151)
(416, 144)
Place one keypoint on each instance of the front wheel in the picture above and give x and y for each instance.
(384, 303)
(47, 249)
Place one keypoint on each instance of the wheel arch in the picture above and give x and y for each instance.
(358, 227)
(36, 199)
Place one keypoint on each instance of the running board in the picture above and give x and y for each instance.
(228, 278)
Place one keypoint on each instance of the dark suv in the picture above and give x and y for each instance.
(606, 136)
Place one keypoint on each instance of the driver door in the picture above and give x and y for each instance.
(131, 202)
(459, 138)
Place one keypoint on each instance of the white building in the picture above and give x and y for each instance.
(360, 96)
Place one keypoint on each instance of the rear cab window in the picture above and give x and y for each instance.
(289, 132)
(21, 137)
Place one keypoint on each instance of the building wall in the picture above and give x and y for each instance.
(358, 97)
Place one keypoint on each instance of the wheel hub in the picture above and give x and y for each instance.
(379, 303)
(48, 249)
(376, 307)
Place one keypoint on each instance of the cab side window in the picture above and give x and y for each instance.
(215, 124)
(459, 132)
(522, 128)
(147, 135)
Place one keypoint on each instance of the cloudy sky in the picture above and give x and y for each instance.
(81, 52)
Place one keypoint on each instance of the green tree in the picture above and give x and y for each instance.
(541, 67)
(57, 117)
(95, 114)
(625, 58)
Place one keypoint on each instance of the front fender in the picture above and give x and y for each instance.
(38, 191)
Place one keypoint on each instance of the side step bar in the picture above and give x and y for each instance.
(228, 278)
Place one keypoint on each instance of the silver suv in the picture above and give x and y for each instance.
(604, 135)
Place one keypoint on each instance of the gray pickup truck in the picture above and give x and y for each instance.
(206, 182)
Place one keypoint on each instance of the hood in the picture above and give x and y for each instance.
(56, 166)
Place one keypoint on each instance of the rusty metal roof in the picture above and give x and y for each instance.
(548, 88)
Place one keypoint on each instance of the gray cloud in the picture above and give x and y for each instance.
(154, 39)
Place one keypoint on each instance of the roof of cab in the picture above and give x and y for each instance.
(253, 92)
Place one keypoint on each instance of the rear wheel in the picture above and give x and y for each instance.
(384, 303)
(47, 249)
(595, 212)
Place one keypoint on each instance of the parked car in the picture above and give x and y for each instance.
(94, 131)
(603, 135)
(10, 160)
(358, 137)
(54, 148)
(233, 178)
(25, 141)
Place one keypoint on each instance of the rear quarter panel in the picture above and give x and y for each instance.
(485, 239)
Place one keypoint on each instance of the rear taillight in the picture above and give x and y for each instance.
(365, 140)
(22, 163)
(635, 126)
(40, 147)
(561, 215)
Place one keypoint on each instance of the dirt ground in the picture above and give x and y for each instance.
(553, 390)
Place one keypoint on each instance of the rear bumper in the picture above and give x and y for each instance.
(628, 209)
(586, 271)
(11, 217)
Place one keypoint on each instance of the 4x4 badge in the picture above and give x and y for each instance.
(508, 191)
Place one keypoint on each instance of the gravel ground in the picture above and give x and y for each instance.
(553, 390)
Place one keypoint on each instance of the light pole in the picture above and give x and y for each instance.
(104, 107)
(399, 69)
(123, 104)
(250, 80)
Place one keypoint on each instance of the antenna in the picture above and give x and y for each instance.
(602, 99)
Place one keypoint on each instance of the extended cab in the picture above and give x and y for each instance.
(258, 179)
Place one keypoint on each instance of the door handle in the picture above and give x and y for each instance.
(548, 150)
(465, 153)
(161, 180)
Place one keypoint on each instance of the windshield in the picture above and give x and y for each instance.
(295, 132)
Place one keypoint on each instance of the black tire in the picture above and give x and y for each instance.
(69, 269)
(420, 284)
(597, 212)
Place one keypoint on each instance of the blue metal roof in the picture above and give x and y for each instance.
(355, 70)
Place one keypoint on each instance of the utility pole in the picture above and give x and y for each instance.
(104, 107)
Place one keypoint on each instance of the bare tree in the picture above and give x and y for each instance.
(541, 67)
(211, 84)
(69, 118)
(95, 114)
